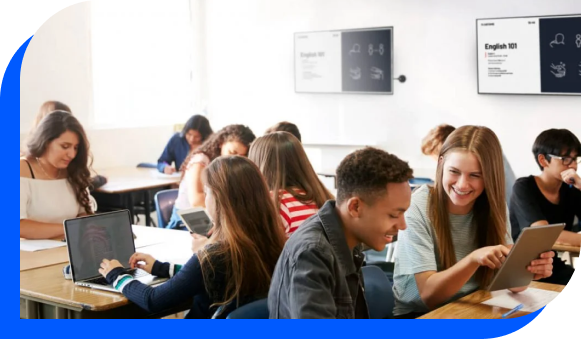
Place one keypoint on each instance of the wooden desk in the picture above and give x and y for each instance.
(470, 306)
(125, 181)
(567, 248)
(146, 236)
(44, 293)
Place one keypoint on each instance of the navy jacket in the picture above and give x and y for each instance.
(176, 150)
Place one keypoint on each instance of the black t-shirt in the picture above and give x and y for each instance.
(529, 205)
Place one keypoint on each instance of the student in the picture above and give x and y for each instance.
(458, 231)
(552, 197)
(432, 144)
(231, 140)
(284, 163)
(285, 126)
(195, 132)
(318, 274)
(49, 107)
(237, 266)
(54, 177)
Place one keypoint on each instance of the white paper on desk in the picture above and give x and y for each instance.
(39, 245)
(168, 176)
(532, 299)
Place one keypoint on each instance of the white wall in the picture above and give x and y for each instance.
(57, 66)
(250, 75)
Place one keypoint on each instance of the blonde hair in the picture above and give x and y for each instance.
(47, 108)
(490, 207)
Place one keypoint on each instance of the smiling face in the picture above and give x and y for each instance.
(376, 224)
(462, 181)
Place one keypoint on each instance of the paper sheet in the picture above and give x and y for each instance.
(532, 299)
(39, 245)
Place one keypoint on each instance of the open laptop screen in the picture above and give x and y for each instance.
(92, 239)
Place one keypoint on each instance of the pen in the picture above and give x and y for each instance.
(514, 310)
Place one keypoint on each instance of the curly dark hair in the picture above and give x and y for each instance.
(213, 146)
(78, 173)
(365, 173)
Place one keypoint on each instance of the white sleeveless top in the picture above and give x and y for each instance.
(183, 202)
(49, 201)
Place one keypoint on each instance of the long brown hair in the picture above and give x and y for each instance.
(285, 166)
(212, 147)
(248, 233)
(490, 207)
(78, 173)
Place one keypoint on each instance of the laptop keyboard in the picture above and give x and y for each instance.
(135, 273)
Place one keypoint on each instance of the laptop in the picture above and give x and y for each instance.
(93, 238)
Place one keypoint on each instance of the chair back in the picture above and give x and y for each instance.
(164, 202)
(378, 292)
(255, 310)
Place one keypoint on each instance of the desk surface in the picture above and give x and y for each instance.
(470, 306)
(130, 179)
(146, 236)
(566, 248)
(48, 285)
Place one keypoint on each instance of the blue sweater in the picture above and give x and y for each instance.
(186, 283)
(176, 150)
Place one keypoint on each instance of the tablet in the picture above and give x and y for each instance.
(530, 244)
(196, 220)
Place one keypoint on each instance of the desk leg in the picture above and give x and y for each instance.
(31, 309)
(61, 313)
(147, 201)
(130, 206)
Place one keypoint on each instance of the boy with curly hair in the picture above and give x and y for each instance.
(318, 275)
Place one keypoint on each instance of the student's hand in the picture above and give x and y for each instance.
(543, 267)
(571, 175)
(490, 256)
(198, 242)
(169, 170)
(108, 265)
(142, 261)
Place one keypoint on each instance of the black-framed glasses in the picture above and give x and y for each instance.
(566, 160)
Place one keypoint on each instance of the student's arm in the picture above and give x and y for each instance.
(167, 157)
(566, 237)
(187, 283)
(193, 178)
(30, 229)
(311, 286)
(437, 288)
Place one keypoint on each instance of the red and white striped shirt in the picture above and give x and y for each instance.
(293, 212)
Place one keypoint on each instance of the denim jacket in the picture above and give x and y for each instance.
(317, 276)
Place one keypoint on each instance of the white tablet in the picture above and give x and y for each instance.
(196, 220)
(530, 244)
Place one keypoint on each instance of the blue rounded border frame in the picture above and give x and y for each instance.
(453, 328)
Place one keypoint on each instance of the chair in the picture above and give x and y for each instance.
(378, 292)
(415, 182)
(254, 310)
(164, 202)
(146, 165)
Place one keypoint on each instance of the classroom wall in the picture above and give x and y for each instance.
(246, 57)
(251, 75)
(57, 66)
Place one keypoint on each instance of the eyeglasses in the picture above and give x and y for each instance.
(566, 160)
